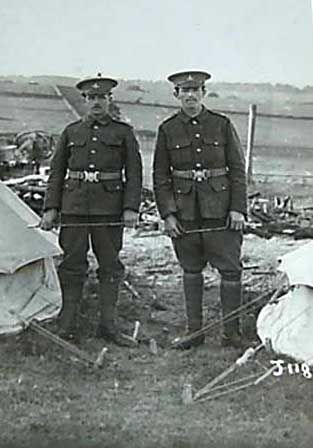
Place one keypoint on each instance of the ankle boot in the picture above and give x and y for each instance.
(107, 328)
(68, 318)
(193, 289)
(231, 301)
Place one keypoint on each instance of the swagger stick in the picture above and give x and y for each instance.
(83, 224)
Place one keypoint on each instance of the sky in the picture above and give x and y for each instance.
(234, 40)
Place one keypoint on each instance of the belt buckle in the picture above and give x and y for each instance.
(199, 175)
(91, 176)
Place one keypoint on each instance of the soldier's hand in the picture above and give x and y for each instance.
(130, 218)
(172, 227)
(49, 219)
(236, 220)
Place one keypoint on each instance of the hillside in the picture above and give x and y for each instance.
(270, 98)
(28, 106)
(43, 103)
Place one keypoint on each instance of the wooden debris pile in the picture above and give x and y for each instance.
(277, 216)
(267, 216)
(31, 189)
(25, 153)
(149, 219)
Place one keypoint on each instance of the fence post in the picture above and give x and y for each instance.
(250, 142)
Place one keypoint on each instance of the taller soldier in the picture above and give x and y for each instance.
(95, 185)
(199, 183)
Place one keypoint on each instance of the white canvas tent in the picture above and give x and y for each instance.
(29, 286)
(288, 322)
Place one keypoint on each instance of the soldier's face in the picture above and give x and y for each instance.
(98, 104)
(190, 97)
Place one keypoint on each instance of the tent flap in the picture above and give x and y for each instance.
(20, 244)
(29, 285)
(288, 322)
(33, 292)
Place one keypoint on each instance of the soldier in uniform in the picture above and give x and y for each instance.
(199, 183)
(95, 186)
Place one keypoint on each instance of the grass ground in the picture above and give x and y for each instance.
(135, 400)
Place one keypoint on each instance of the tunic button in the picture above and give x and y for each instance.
(92, 166)
(93, 151)
(177, 146)
(178, 191)
(94, 139)
(199, 179)
(198, 149)
(194, 122)
(197, 135)
(198, 165)
(96, 127)
(215, 143)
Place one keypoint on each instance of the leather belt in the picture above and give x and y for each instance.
(199, 175)
(94, 176)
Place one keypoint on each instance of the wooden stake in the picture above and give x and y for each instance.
(250, 142)
(79, 354)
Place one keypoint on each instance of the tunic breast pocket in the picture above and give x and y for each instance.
(113, 151)
(77, 148)
(76, 143)
(180, 152)
(214, 151)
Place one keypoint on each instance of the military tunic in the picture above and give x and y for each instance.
(89, 145)
(94, 148)
(206, 142)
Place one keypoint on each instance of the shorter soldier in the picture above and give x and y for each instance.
(95, 183)
(199, 183)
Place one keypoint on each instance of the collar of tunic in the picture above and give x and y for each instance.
(90, 120)
(187, 119)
